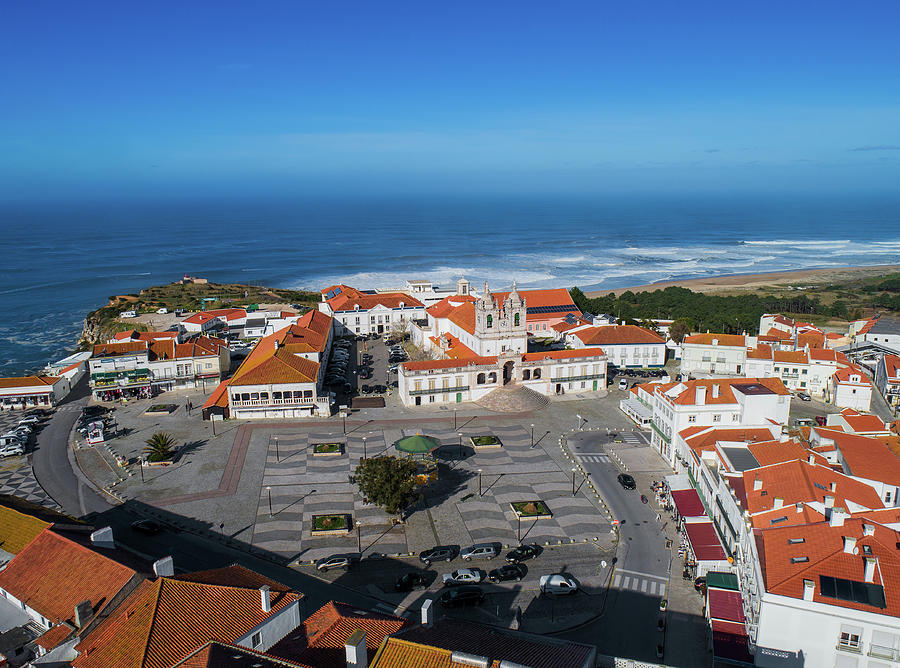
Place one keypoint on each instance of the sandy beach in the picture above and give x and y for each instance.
(736, 283)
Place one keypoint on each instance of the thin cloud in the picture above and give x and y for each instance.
(877, 147)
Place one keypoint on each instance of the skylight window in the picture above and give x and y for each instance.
(795, 541)
(799, 560)
(783, 518)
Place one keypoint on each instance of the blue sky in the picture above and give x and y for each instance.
(235, 97)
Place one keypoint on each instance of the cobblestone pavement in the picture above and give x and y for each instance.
(16, 476)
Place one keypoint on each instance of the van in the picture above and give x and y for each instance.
(162, 311)
(478, 551)
(128, 314)
(623, 384)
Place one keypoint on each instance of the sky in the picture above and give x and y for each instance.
(99, 99)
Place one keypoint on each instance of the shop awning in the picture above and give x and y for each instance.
(688, 503)
(730, 644)
(725, 605)
(718, 580)
(705, 541)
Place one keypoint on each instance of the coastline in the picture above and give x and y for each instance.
(737, 283)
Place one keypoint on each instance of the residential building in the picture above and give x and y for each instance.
(33, 391)
(174, 616)
(625, 345)
(885, 331)
(216, 320)
(851, 388)
(282, 376)
(887, 380)
(238, 323)
(716, 354)
(201, 362)
(135, 335)
(369, 312)
(808, 369)
(721, 402)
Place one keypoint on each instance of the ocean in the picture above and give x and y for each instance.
(62, 260)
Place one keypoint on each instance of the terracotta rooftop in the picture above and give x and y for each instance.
(708, 339)
(685, 392)
(563, 354)
(617, 335)
(18, 529)
(115, 349)
(464, 317)
(272, 362)
(215, 654)
(449, 364)
(28, 381)
(863, 423)
(443, 308)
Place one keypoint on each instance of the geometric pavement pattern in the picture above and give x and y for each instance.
(22, 483)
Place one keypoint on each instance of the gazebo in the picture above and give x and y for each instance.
(418, 445)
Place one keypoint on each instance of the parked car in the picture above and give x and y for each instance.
(462, 576)
(336, 561)
(522, 553)
(31, 419)
(437, 553)
(623, 384)
(508, 572)
(12, 450)
(410, 581)
(12, 439)
(149, 527)
(626, 480)
(557, 584)
(462, 596)
(379, 389)
(478, 551)
(803, 396)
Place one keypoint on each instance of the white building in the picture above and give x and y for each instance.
(887, 379)
(361, 312)
(624, 345)
(716, 354)
(808, 370)
(851, 388)
(34, 391)
(722, 402)
(201, 362)
(885, 331)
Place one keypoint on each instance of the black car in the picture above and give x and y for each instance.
(508, 572)
(94, 411)
(379, 389)
(522, 553)
(365, 389)
(437, 553)
(626, 481)
(461, 596)
(410, 581)
(149, 527)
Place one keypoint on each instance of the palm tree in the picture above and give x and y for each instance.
(159, 447)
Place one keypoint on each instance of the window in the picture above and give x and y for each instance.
(264, 396)
(735, 417)
(516, 319)
(430, 398)
(692, 418)
(717, 418)
(480, 379)
(256, 639)
(795, 541)
(526, 374)
(490, 321)
(849, 637)
(537, 374)
(276, 395)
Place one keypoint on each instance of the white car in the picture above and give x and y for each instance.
(11, 450)
(463, 576)
(31, 419)
(557, 584)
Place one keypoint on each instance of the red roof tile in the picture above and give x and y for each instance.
(617, 335)
(708, 339)
(449, 364)
(563, 354)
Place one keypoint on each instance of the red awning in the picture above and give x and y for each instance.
(688, 503)
(725, 605)
(705, 541)
(730, 642)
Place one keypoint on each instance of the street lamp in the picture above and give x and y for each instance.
(344, 418)
(574, 471)
(532, 436)
(519, 529)
(269, 490)
(141, 460)
(454, 419)
(277, 454)
(358, 537)
(479, 482)
(460, 445)
(578, 428)
(364, 447)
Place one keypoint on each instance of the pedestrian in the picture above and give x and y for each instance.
(190, 406)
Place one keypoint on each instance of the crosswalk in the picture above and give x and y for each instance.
(644, 583)
(631, 437)
(598, 457)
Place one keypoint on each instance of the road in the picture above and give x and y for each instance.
(50, 460)
(627, 624)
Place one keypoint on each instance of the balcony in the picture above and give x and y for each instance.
(882, 652)
(120, 379)
(571, 379)
(306, 401)
(851, 647)
(790, 376)
(438, 390)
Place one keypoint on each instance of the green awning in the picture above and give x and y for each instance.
(417, 445)
(718, 580)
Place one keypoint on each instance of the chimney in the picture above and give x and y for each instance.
(811, 459)
(103, 538)
(715, 342)
(83, 614)
(829, 501)
(833, 486)
(868, 529)
(700, 395)
(849, 543)
(715, 391)
(799, 507)
(265, 598)
(428, 613)
(838, 515)
(870, 569)
(809, 588)
(355, 650)
(779, 502)
(757, 484)
(164, 568)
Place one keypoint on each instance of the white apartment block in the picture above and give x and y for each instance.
(716, 354)
(625, 345)
(364, 313)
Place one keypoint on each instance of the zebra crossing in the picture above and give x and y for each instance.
(633, 438)
(644, 583)
(595, 457)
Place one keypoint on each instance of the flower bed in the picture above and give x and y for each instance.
(161, 409)
(331, 525)
(531, 510)
(485, 442)
(328, 449)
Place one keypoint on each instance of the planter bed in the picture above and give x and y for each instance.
(328, 449)
(531, 510)
(331, 525)
(488, 442)
(161, 409)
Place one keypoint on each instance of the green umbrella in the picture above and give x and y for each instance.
(417, 445)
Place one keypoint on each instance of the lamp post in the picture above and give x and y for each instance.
(358, 537)
(454, 419)
(364, 448)
(269, 491)
(460, 445)
(479, 482)
(532, 436)
(344, 419)
(578, 428)
(141, 460)
(277, 454)
(519, 529)
(574, 470)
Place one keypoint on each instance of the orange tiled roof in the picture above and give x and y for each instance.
(28, 381)
(134, 335)
(700, 439)
(398, 653)
(215, 654)
(449, 364)
(122, 348)
(464, 317)
(347, 301)
(219, 396)
(791, 356)
(272, 362)
(892, 366)
(843, 374)
(731, 340)
(320, 639)
(762, 351)
(543, 299)
(563, 354)
(868, 458)
(821, 553)
(776, 334)
(617, 335)
(227, 313)
(18, 529)
(775, 452)
(688, 394)
(860, 422)
(443, 308)
(53, 574)
(162, 622)
(455, 349)
(822, 355)
(56, 636)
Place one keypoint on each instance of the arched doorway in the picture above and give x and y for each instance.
(508, 372)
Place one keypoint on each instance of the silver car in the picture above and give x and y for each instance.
(478, 551)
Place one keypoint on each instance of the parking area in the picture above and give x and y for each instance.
(16, 476)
